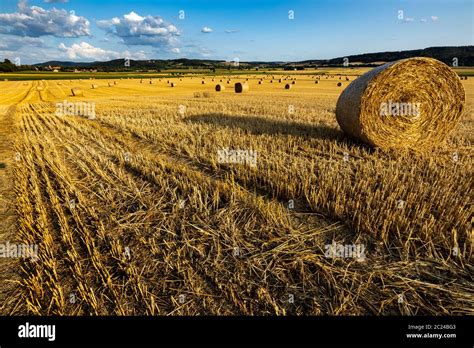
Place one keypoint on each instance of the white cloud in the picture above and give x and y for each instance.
(206, 30)
(35, 21)
(409, 19)
(423, 20)
(434, 18)
(175, 50)
(85, 50)
(231, 31)
(55, 1)
(134, 29)
(199, 51)
(14, 43)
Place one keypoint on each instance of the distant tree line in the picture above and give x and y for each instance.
(8, 66)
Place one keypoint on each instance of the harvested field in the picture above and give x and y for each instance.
(145, 210)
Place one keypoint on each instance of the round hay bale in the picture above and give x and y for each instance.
(408, 104)
(259, 82)
(294, 82)
(241, 87)
(39, 88)
(279, 80)
(77, 92)
(151, 82)
(110, 84)
(115, 83)
(339, 84)
(220, 88)
(316, 82)
(94, 86)
(203, 82)
(5, 79)
(287, 86)
(173, 84)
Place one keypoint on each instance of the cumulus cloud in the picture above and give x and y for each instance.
(134, 29)
(85, 50)
(231, 31)
(14, 43)
(206, 30)
(35, 21)
(434, 18)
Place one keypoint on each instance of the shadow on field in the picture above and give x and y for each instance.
(263, 125)
(2, 165)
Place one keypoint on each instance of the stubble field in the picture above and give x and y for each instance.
(134, 211)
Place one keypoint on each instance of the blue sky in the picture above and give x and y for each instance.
(87, 30)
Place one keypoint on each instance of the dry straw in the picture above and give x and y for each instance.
(77, 92)
(219, 87)
(241, 87)
(373, 108)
